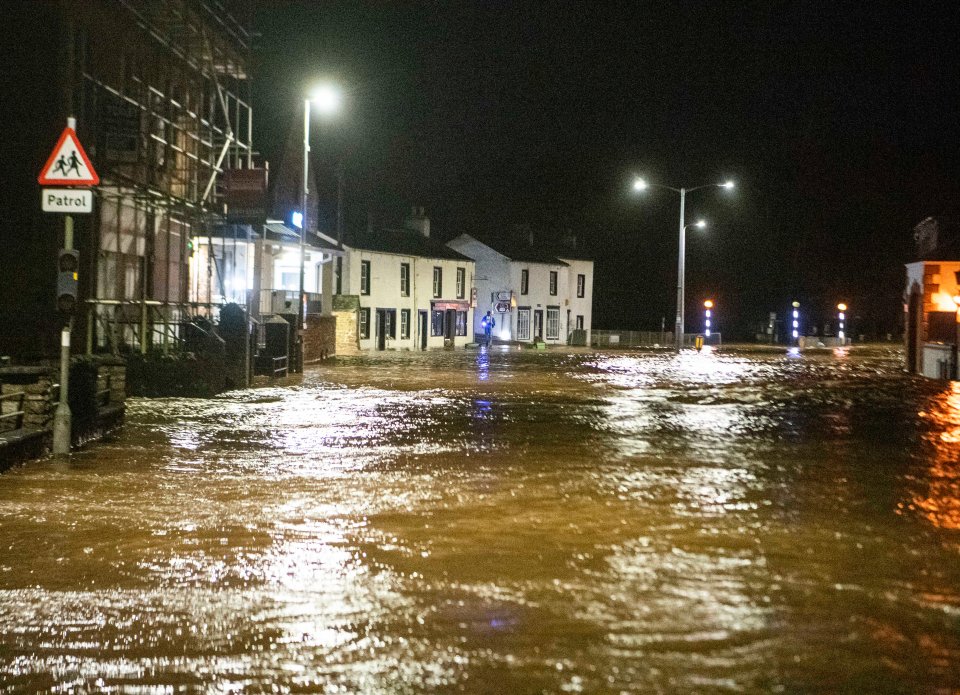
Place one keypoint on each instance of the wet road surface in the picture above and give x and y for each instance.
(502, 522)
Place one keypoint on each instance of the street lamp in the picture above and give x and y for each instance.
(708, 313)
(640, 184)
(327, 98)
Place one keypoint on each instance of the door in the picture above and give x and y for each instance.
(538, 324)
(424, 327)
(381, 329)
(450, 324)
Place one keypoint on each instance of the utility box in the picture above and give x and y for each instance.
(275, 357)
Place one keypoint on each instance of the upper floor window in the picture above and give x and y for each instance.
(581, 285)
(524, 281)
(461, 282)
(437, 281)
(364, 277)
(553, 283)
(404, 279)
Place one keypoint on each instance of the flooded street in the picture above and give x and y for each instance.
(511, 522)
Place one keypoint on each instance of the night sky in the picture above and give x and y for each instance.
(838, 121)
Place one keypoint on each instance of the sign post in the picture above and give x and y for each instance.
(68, 165)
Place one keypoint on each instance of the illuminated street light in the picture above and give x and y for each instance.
(708, 314)
(841, 318)
(327, 98)
(640, 184)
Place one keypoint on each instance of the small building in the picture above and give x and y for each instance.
(410, 291)
(931, 300)
(535, 294)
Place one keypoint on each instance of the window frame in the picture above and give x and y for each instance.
(581, 285)
(524, 281)
(461, 283)
(437, 281)
(363, 323)
(554, 283)
(461, 328)
(524, 311)
(553, 312)
(404, 324)
(404, 279)
(365, 278)
(437, 323)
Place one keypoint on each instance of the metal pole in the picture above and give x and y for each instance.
(62, 418)
(680, 272)
(301, 313)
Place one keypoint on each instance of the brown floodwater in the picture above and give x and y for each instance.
(502, 522)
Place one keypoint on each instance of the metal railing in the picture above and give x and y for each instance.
(654, 339)
(285, 302)
(16, 415)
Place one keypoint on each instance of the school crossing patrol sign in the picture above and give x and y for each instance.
(68, 164)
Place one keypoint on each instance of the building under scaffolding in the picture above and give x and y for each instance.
(160, 90)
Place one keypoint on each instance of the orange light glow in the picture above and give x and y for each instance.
(841, 306)
(708, 303)
(943, 301)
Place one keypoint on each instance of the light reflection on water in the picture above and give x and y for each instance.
(503, 521)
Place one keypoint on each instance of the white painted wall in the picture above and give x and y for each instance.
(582, 306)
(385, 293)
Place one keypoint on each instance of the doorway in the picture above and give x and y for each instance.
(424, 325)
(538, 324)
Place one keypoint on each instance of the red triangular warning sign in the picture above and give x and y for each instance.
(68, 164)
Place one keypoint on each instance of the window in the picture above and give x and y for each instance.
(437, 282)
(553, 283)
(365, 277)
(523, 323)
(461, 284)
(436, 322)
(579, 322)
(461, 323)
(390, 323)
(524, 281)
(553, 323)
(404, 279)
(364, 327)
(339, 275)
(405, 323)
(581, 285)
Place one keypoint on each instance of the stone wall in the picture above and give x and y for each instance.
(347, 342)
(319, 338)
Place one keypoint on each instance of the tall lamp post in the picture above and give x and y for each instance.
(642, 185)
(327, 99)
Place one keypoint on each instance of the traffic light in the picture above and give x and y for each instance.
(68, 264)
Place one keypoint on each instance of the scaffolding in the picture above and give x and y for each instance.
(169, 111)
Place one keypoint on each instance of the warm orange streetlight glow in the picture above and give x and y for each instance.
(841, 306)
(708, 303)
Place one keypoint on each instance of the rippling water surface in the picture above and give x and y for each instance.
(504, 522)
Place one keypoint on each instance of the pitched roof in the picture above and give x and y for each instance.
(403, 242)
(524, 253)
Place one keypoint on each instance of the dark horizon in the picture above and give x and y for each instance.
(834, 120)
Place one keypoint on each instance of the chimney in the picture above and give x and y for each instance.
(418, 221)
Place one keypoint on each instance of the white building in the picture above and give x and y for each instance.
(413, 293)
(533, 293)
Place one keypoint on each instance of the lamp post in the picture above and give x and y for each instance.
(327, 99)
(795, 333)
(707, 313)
(641, 185)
